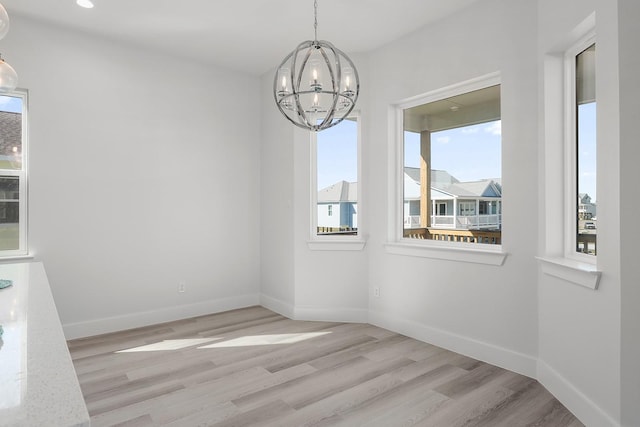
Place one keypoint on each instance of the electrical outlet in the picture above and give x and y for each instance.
(182, 286)
(376, 292)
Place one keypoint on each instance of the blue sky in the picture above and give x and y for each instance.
(338, 154)
(469, 153)
(10, 104)
(587, 149)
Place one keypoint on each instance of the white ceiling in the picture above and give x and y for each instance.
(248, 35)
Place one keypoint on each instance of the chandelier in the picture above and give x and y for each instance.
(8, 76)
(316, 86)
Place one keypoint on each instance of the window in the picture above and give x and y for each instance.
(451, 171)
(585, 151)
(335, 180)
(13, 186)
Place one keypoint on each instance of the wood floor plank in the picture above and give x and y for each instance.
(255, 367)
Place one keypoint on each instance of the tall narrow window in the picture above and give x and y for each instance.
(336, 176)
(585, 108)
(452, 187)
(13, 192)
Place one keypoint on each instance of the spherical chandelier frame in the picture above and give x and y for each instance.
(316, 86)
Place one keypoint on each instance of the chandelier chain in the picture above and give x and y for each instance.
(315, 19)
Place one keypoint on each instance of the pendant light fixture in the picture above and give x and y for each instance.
(8, 76)
(316, 86)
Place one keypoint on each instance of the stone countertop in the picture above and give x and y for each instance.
(38, 384)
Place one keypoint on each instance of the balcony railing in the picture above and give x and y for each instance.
(466, 236)
(474, 222)
(345, 231)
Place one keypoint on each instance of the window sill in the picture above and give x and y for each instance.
(337, 245)
(14, 258)
(579, 273)
(476, 256)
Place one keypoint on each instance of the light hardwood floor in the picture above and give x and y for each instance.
(254, 367)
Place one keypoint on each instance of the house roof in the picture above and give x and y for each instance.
(482, 188)
(444, 185)
(341, 191)
(437, 176)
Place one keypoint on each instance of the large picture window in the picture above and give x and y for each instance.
(13, 185)
(452, 175)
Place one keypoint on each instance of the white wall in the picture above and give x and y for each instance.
(579, 328)
(485, 311)
(276, 206)
(142, 174)
(629, 67)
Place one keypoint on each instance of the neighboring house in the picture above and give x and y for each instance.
(586, 209)
(338, 205)
(472, 205)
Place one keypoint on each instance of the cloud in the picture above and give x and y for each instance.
(443, 139)
(494, 128)
(470, 130)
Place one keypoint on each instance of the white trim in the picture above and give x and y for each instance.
(341, 244)
(397, 244)
(579, 273)
(585, 409)
(14, 258)
(332, 314)
(439, 250)
(153, 317)
(274, 304)
(490, 353)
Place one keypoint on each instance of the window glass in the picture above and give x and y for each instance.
(452, 168)
(587, 218)
(336, 179)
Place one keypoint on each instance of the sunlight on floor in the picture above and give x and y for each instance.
(252, 340)
(246, 341)
(168, 345)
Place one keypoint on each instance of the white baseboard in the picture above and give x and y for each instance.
(135, 320)
(274, 304)
(319, 314)
(577, 402)
(493, 354)
(334, 314)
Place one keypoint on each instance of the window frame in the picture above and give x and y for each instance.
(482, 253)
(22, 174)
(571, 150)
(335, 242)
